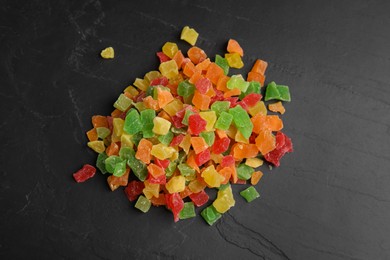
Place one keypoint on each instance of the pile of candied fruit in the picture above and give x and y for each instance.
(188, 127)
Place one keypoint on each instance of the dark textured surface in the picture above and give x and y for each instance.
(330, 199)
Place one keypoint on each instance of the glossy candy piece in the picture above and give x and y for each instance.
(250, 194)
(134, 189)
(196, 124)
(220, 145)
(202, 157)
(283, 145)
(169, 69)
(212, 177)
(234, 60)
(277, 107)
(201, 101)
(144, 151)
(188, 211)
(85, 173)
(224, 200)
(224, 121)
(210, 117)
(256, 176)
(222, 62)
(210, 215)
(279, 92)
(244, 172)
(189, 35)
(234, 47)
(170, 49)
(143, 204)
(115, 182)
(175, 203)
(196, 55)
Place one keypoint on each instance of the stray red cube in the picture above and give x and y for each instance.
(85, 173)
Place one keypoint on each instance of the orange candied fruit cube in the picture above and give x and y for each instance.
(99, 121)
(196, 55)
(214, 72)
(234, 47)
(201, 101)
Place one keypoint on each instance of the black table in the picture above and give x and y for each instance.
(328, 200)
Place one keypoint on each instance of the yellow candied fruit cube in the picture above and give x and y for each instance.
(240, 138)
(234, 60)
(151, 75)
(161, 126)
(151, 190)
(212, 177)
(175, 155)
(97, 146)
(132, 91)
(231, 132)
(258, 108)
(162, 152)
(141, 84)
(107, 53)
(189, 35)
(169, 69)
(210, 117)
(170, 49)
(217, 158)
(118, 124)
(224, 200)
(127, 140)
(196, 186)
(186, 143)
(176, 184)
(172, 107)
(254, 162)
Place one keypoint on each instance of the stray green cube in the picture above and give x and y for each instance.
(284, 93)
(224, 121)
(250, 194)
(244, 172)
(188, 211)
(123, 103)
(209, 137)
(220, 106)
(211, 215)
(143, 204)
(100, 162)
(133, 122)
(185, 89)
(222, 62)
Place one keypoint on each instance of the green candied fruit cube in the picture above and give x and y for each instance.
(100, 164)
(146, 118)
(102, 132)
(133, 122)
(271, 92)
(188, 211)
(125, 153)
(185, 169)
(111, 161)
(284, 93)
(136, 138)
(220, 106)
(222, 62)
(186, 116)
(254, 87)
(250, 194)
(150, 91)
(224, 121)
(123, 103)
(120, 168)
(244, 172)
(211, 215)
(242, 121)
(166, 139)
(143, 204)
(185, 89)
(170, 169)
(209, 137)
(237, 81)
(140, 106)
(137, 167)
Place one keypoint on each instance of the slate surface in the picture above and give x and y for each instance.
(330, 199)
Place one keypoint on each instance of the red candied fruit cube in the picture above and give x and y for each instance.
(159, 81)
(85, 173)
(203, 157)
(175, 203)
(251, 99)
(227, 160)
(162, 163)
(162, 179)
(203, 85)
(134, 189)
(177, 140)
(199, 198)
(162, 57)
(196, 124)
(221, 145)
